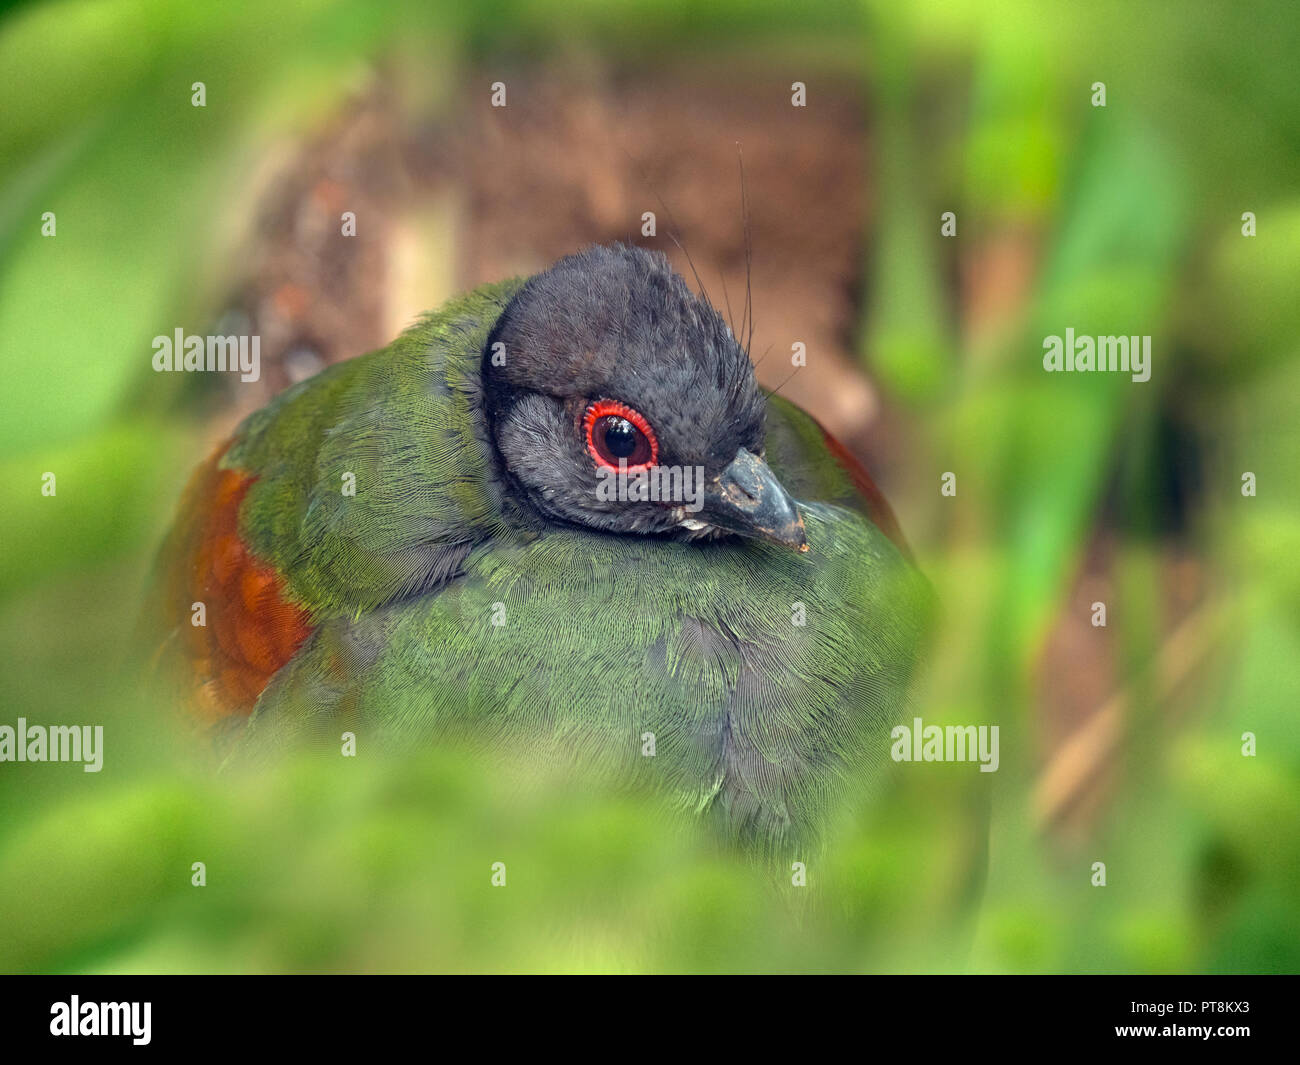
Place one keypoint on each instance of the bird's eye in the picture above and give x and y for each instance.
(618, 434)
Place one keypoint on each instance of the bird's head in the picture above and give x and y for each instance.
(618, 400)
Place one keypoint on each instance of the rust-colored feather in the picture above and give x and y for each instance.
(252, 627)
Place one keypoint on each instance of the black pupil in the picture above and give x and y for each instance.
(620, 437)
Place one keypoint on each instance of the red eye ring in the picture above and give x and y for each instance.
(606, 408)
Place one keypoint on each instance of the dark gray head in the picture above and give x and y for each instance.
(607, 364)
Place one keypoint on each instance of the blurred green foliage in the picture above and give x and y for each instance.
(1130, 217)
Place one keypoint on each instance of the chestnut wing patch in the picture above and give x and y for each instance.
(252, 626)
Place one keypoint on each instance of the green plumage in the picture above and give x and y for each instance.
(768, 678)
(399, 421)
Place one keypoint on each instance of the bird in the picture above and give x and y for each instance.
(558, 516)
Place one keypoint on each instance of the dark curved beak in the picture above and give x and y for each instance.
(748, 499)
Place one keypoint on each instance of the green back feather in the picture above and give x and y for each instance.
(401, 421)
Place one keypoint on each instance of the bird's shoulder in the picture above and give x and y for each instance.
(815, 466)
(367, 481)
(363, 484)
